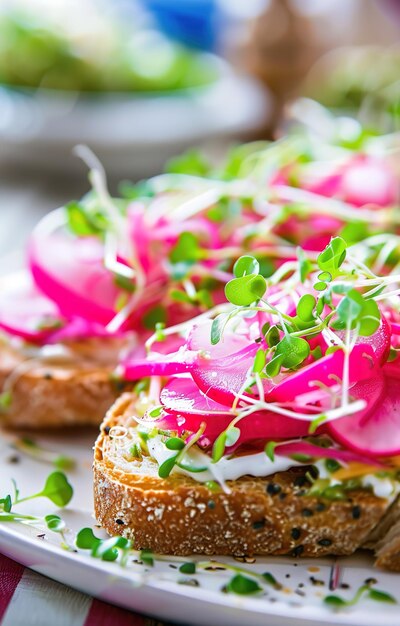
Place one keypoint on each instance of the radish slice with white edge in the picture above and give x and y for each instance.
(158, 365)
(326, 371)
(182, 396)
(25, 312)
(71, 273)
(376, 431)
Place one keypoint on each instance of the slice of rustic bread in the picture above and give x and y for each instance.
(265, 516)
(55, 393)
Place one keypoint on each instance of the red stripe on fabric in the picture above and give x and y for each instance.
(10, 575)
(103, 614)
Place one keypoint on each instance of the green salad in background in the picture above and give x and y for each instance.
(35, 52)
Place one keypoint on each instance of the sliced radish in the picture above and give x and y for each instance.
(369, 180)
(159, 365)
(25, 312)
(222, 379)
(182, 396)
(231, 342)
(325, 371)
(375, 431)
(263, 425)
(71, 273)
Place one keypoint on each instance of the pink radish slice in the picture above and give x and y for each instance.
(78, 328)
(160, 365)
(262, 425)
(71, 273)
(182, 396)
(200, 339)
(317, 452)
(327, 371)
(376, 431)
(369, 180)
(221, 379)
(221, 375)
(379, 341)
(25, 312)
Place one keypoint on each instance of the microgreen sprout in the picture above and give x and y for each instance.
(32, 449)
(109, 549)
(56, 488)
(337, 602)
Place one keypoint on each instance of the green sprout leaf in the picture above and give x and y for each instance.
(333, 256)
(271, 580)
(270, 450)
(55, 523)
(217, 328)
(381, 596)
(246, 290)
(315, 423)
(305, 308)
(108, 550)
(246, 265)
(354, 309)
(335, 601)
(259, 361)
(304, 264)
(104, 549)
(156, 315)
(86, 539)
(174, 443)
(219, 447)
(147, 557)
(242, 585)
(188, 568)
(186, 249)
(6, 504)
(274, 366)
(293, 351)
(57, 489)
(167, 466)
(232, 435)
(273, 336)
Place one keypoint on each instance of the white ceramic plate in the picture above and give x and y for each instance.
(161, 590)
(133, 135)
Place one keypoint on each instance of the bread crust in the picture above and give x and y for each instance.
(57, 395)
(261, 516)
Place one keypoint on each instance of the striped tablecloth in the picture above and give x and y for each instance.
(29, 599)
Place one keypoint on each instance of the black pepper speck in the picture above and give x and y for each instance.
(120, 522)
(211, 504)
(296, 532)
(356, 512)
(273, 489)
(297, 551)
(325, 542)
(320, 507)
(307, 513)
(259, 524)
(107, 430)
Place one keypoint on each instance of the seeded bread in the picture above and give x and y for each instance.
(264, 516)
(54, 394)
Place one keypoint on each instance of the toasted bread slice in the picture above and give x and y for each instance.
(264, 516)
(58, 392)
